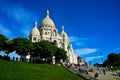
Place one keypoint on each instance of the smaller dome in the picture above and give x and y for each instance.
(63, 33)
(35, 30)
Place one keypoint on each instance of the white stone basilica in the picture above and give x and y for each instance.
(48, 31)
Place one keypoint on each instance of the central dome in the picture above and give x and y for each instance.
(47, 20)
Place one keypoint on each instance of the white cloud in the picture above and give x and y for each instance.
(80, 44)
(83, 41)
(73, 38)
(91, 58)
(4, 30)
(17, 12)
(26, 32)
(20, 17)
(116, 50)
(85, 51)
(76, 41)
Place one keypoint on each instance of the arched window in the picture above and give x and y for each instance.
(55, 33)
(45, 33)
(55, 42)
(34, 39)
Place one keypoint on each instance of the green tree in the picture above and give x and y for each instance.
(8, 47)
(36, 51)
(60, 54)
(113, 59)
(22, 46)
(47, 50)
(2, 41)
(106, 63)
(44, 50)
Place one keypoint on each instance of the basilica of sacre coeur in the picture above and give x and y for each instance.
(48, 31)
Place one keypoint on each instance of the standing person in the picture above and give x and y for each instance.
(13, 58)
(100, 71)
(16, 58)
(104, 71)
(111, 68)
(96, 75)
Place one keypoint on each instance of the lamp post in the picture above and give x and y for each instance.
(101, 57)
(90, 63)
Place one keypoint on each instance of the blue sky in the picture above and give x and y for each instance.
(92, 25)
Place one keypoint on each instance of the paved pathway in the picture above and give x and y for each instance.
(108, 76)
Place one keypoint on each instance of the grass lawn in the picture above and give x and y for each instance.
(10, 70)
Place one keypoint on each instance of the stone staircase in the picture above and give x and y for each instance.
(76, 71)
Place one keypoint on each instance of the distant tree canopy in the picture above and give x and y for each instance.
(43, 49)
(113, 59)
(2, 41)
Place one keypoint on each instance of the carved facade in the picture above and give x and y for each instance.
(48, 31)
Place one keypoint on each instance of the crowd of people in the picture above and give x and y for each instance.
(96, 71)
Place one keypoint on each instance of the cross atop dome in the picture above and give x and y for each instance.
(35, 24)
(47, 13)
(62, 28)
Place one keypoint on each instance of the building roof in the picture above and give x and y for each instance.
(47, 20)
